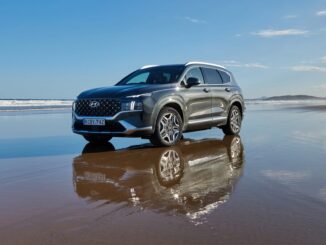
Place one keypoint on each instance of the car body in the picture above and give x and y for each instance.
(196, 95)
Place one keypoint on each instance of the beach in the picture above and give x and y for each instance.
(267, 186)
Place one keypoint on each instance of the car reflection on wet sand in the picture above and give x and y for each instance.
(192, 178)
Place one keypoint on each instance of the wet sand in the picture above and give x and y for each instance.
(266, 187)
(313, 107)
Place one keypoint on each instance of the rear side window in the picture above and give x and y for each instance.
(211, 76)
(226, 78)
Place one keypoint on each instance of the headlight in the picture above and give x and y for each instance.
(131, 105)
(139, 95)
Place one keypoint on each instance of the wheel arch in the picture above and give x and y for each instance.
(239, 103)
(175, 104)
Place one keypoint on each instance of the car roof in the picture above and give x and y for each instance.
(204, 63)
(186, 64)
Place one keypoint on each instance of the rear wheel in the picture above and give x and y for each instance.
(97, 139)
(233, 125)
(168, 128)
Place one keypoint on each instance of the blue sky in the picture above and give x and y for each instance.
(55, 49)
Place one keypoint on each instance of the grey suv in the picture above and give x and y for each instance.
(159, 103)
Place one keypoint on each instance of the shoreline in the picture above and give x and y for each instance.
(50, 108)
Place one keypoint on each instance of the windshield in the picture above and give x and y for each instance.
(154, 75)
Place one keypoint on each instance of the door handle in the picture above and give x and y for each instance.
(206, 90)
(227, 89)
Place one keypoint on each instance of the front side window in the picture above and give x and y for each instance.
(212, 76)
(154, 75)
(196, 73)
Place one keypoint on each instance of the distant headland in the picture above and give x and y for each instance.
(291, 97)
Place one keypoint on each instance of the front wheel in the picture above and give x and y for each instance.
(97, 139)
(168, 128)
(233, 125)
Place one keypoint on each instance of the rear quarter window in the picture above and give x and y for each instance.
(226, 77)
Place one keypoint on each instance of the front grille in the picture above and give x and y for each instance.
(105, 107)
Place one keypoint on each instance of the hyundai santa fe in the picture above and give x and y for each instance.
(160, 103)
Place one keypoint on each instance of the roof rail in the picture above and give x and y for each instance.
(203, 63)
(147, 66)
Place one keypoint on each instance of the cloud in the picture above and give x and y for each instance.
(290, 16)
(316, 61)
(196, 21)
(320, 86)
(315, 138)
(322, 193)
(308, 68)
(233, 63)
(323, 59)
(275, 33)
(321, 13)
(286, 176)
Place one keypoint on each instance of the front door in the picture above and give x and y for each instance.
(198, 101)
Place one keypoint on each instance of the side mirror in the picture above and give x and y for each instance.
(192, 81)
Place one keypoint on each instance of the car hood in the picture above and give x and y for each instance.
(121, 91)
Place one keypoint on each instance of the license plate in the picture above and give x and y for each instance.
(97, 122)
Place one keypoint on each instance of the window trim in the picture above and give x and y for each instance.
(200, 66)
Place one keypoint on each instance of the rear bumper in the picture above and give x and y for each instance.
(123, 124)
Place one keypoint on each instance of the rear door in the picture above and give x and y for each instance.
(220, 92)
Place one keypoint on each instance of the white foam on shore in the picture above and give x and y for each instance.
(20, 105)
(17, 103)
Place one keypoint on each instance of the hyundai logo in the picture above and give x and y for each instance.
(94, 104)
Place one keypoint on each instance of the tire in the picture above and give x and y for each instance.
(97, 139)
(168, 128)
(233, 125)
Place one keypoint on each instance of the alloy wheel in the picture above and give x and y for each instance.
(235, 120)
(170, 166)
(169, 128)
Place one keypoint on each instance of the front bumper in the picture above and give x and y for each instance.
(124, 123)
